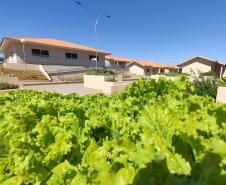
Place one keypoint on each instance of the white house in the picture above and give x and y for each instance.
(147, 68)
(201, 64)
(50, 52)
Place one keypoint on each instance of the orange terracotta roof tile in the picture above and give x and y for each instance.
(156, 65)
(119, 59)
(149, 64)
(170, 66)
(56, 43)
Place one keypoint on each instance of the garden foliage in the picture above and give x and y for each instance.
(153, 133)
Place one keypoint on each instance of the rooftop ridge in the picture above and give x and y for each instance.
(57, 43)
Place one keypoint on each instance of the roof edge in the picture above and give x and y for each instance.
(98, 50)
(198, 56)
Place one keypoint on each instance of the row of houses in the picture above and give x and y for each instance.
(47, 51)
(191, 66)
(142, 67)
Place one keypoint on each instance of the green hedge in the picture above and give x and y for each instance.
(4, 86)
(102, 72)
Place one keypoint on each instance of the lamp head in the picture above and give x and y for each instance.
(78, 2)
(22, 40)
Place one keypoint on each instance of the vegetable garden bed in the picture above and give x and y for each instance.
(153, 133)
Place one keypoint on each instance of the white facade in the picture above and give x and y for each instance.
(201, 64)
(18, 52)
(136, 70)
(196, 67)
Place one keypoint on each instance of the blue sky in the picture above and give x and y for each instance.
(167, 31)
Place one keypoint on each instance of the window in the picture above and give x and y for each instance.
(71, 56)
(161, 70)
(45, 53)
(39, 52)
(93, 58)
(36, 52)
(74, 56)
(148, 70)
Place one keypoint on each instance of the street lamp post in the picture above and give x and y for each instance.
(96, 36)
(97, 19)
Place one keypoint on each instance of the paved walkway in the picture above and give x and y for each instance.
(66, 88)
(63, 88)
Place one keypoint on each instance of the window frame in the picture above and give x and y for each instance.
(40, 52)
(44, 51)
(70, 56)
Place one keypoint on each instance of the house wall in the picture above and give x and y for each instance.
(202, 65)
(56, 55)
(143, 70)
(166, 70)
(137, 70)
(196, 67)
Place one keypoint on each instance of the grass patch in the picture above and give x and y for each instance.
(171, 74)
(21, 75)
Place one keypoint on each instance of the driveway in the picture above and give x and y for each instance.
(66, 88)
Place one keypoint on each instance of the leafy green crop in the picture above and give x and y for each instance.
(153, 133)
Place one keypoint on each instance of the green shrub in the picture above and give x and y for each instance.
(7, 86)
(206, 85)
(103, 72)
(222, 82)
(209, 73)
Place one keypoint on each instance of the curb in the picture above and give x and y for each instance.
(49, 83)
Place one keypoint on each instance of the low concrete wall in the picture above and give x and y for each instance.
(112, 88)
(10, 80)
(98, 82)
(43, 71)
(221, 95)
(94, 82)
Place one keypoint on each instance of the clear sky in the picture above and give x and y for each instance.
(167, 31)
